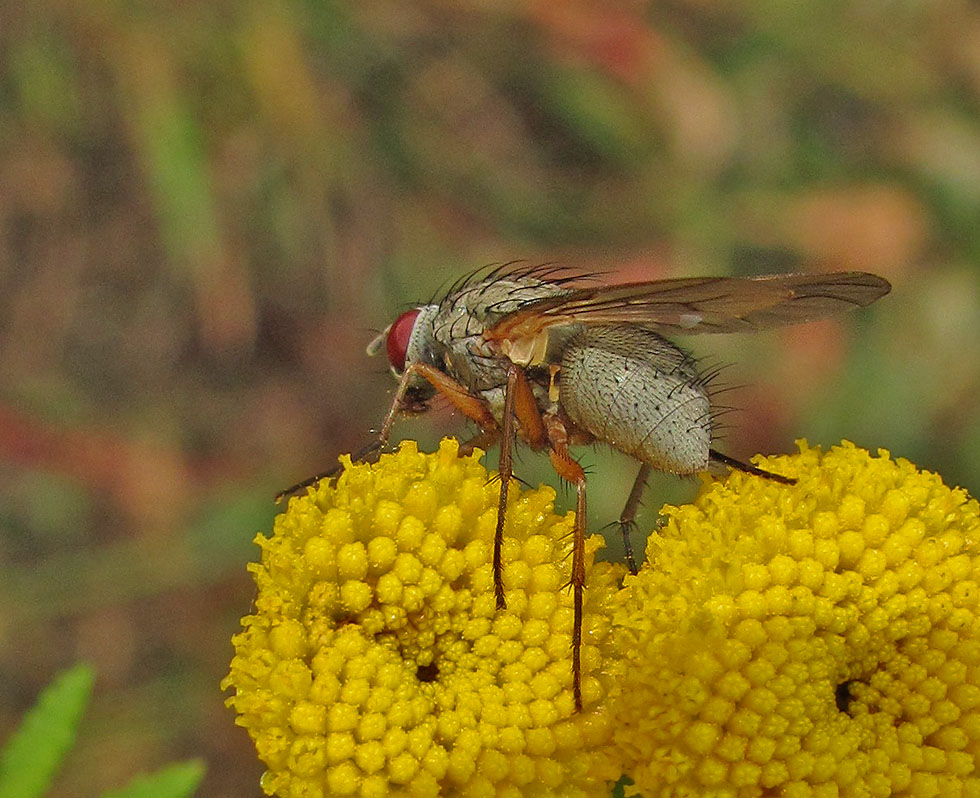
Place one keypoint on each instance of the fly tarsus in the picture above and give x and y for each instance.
(738, 465)
(362, 454)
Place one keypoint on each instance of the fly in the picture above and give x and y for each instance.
(537, 351)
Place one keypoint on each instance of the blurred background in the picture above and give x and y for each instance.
(207, 210)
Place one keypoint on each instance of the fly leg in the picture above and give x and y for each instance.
(568, 469)
(362, 454)
(738, 465)
(482, 440)
(629, 513)
(471, 406)
(519, 402)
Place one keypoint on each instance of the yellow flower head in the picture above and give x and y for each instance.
(376, 662)
(817, 639)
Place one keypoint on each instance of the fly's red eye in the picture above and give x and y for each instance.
(398, 336)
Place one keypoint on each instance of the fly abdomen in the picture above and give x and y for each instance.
(636, 391)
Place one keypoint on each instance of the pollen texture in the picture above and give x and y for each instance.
(376, 663)
(819, 639)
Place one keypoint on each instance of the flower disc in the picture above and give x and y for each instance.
(816, 639)
(376, 662)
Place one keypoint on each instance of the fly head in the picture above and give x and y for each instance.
(410, 339)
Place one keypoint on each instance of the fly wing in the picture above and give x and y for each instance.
(691, 305)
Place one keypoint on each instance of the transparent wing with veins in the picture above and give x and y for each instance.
(692, 305)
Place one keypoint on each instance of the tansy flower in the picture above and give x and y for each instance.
(376, 663)
(817, 639)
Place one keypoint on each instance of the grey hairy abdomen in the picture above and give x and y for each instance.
(636, 391)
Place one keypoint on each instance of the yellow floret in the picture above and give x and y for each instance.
(806, 640)
(377, 663)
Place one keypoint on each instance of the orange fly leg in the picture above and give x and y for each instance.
(505, 469)
(518, 401)
(568, 469)
(476, 409)
(526, 410)
(473, 407)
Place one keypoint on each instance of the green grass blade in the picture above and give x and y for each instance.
(31, 757)
(174, 781)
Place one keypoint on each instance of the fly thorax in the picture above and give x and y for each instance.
(466, 314)
(475, 364)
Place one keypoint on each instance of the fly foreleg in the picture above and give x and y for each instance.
(568, 469)
(473, 407)
(362, 454)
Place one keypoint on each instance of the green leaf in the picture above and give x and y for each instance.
(174, 781)
(33, 754)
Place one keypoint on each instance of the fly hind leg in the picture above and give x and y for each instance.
(628, 515)
(748, 468)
